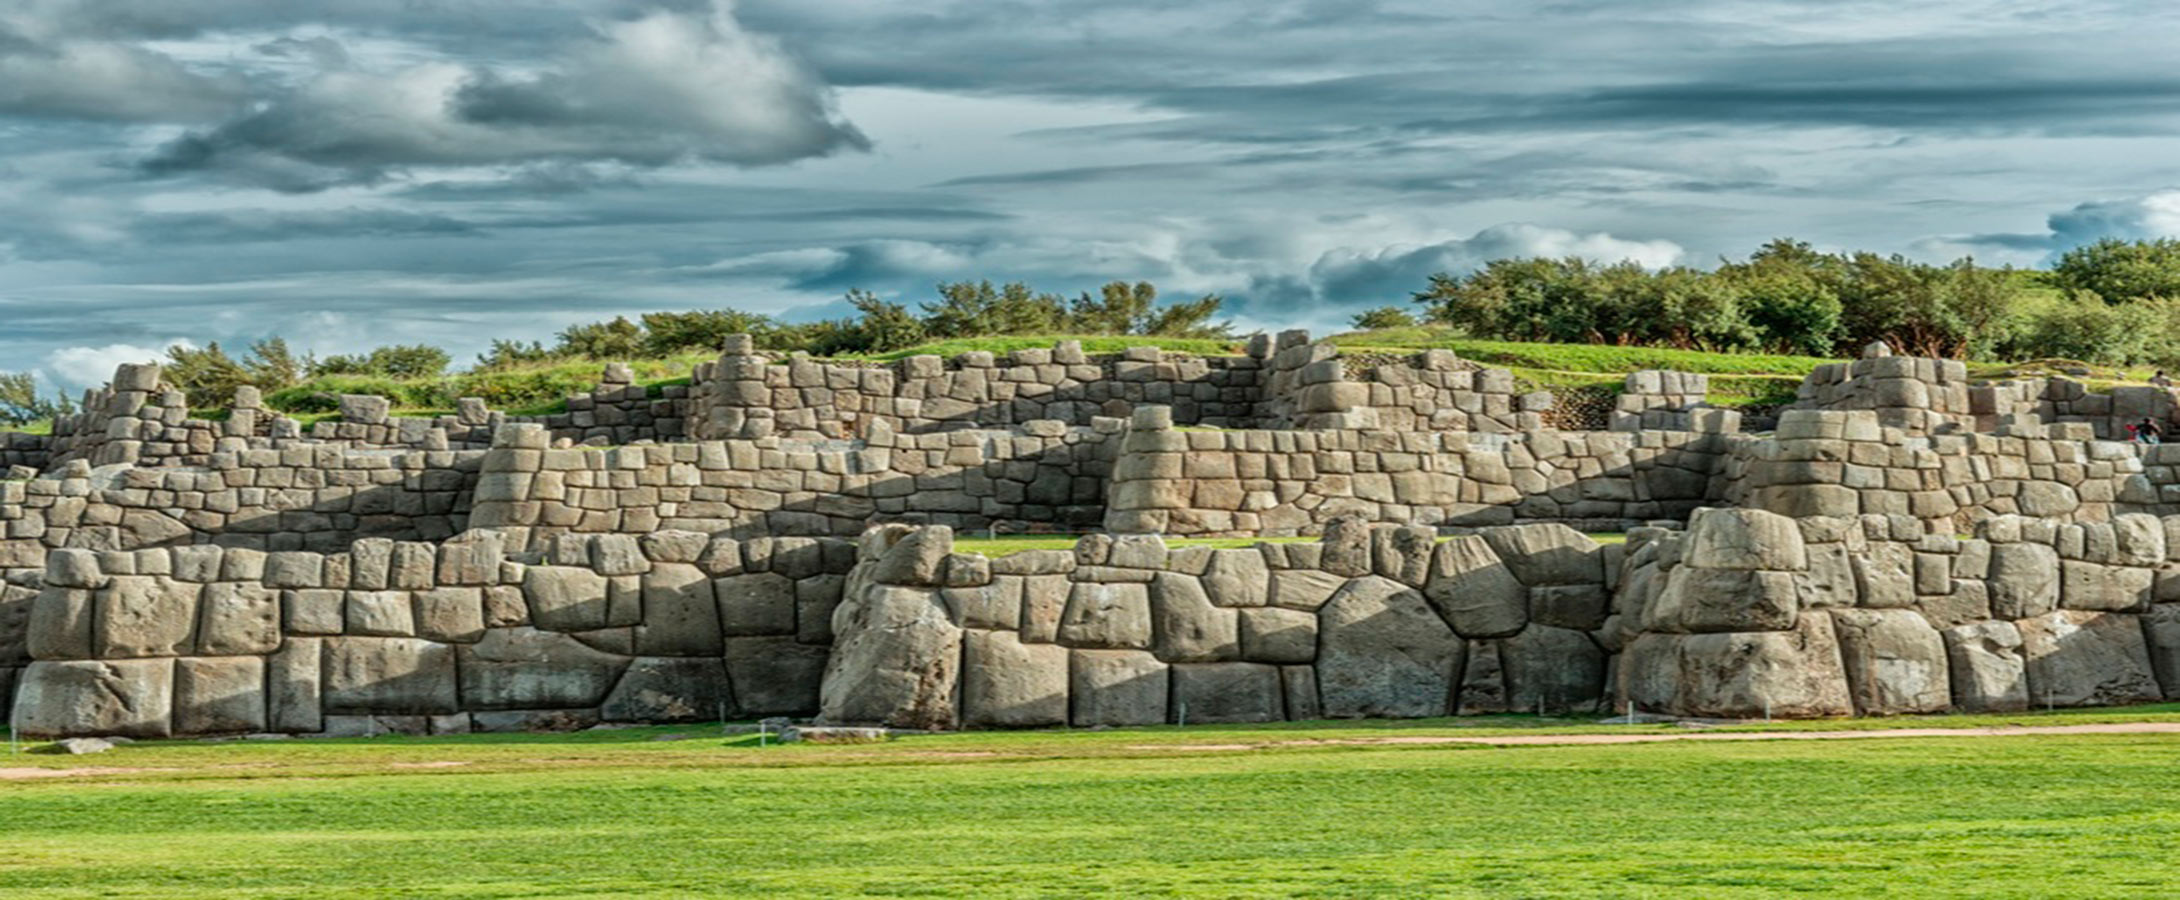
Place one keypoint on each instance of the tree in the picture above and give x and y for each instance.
(21, 405)
(616, 340)
(885, 326)
(1384, 317)
(392, 361)
(510, 354)
(972, 309)
(667, 333)
(2122, 271)
(1119, 308)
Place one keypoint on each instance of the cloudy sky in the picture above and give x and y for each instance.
(348, 173)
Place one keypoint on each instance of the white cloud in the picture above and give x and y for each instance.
(85, 366)
(1350, 277)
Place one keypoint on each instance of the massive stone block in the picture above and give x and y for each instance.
(1009, 684)
(756, 605)
(1114, 616)
(1474, 591)
(2024, 580)
(1117, 687)
(680, 615)
(2106, 588)
(774, 676)
(1784, 674)
(144, 615)
(669, 689)
(238, 619)
(1895, 661)
(1382, 651)
(1744, 539)
(294, 685)
(565, 598)
(1708, 600)
(2078, 658)
(1986, 668)
(2161, 631)
(524, 668)
(77, 698)
(1553, 671)
(1229, 692)
(896, 660)
(1547, 553)
(1237, 578)
(1186, 627)
(389, 675)
(219, 695)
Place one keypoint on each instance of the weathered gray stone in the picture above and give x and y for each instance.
(2095, 586)
(144, 615)
(382, 613)
(1274, 635)
(1885, 575)
(317, 611)
(389, 675)
(1117, 687)
(1744, 539)
(1716, 600)
(1476, 592)
(1553, 671)
(524, 668)
(2161, 634)
(994, 605)
(1895, 662)
(60, 624)
(1547, 553)
(895, 661)
(1985, 666)
(669, 689)
(1785, 674)
(2078, 658)
(774, 676)
(219, 695)
(1304, 589)
(238, 619)
(1228, 692)
(1110, 616)
(1009, 684)
(565, 598)
(294, 685)
(127, 697)
(918, 558)
(2024, 580)
(1578, 606)
(755, 605)
(1186, 627)
(1237, 578)
(1383, 652)
(680, 613)
(450, 614)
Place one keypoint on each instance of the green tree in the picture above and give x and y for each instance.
(668, 333)
(21, 405)
(619, 339)
(1384, 317)
(2122, 271)
(392, 361)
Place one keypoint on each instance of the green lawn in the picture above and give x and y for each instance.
(1118, 813)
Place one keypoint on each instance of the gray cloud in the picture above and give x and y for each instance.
(649, 91)
(354, 172)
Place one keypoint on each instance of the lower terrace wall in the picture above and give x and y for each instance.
(438, 638)
(1182, 482)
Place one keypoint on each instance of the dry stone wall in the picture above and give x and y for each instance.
(1042, 475)
(1750, 613)
(415, 637)
(1182, 482)
(1384, 622)
(1834, 463)
(745, 394)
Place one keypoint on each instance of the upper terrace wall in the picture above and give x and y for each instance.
(1294, 482)
(1044, 475)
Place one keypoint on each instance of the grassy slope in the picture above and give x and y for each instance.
(1045, 813)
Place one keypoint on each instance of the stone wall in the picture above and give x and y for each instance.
(745, 394)
(1182, 482)
(421, 637)
(1385, 622)
(1830, 463)
(1748, 613)
(1661, 400)
(1044, 475)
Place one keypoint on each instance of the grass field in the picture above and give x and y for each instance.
(1138, 812)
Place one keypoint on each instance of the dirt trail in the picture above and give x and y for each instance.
(1530, 740)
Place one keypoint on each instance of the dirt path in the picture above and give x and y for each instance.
(1532, 740)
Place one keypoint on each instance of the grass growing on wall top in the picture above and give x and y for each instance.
(1093, 344)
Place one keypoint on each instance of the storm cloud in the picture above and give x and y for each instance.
(348, 173)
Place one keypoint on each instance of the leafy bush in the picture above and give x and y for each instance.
(2122, 271)
(395, 361)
